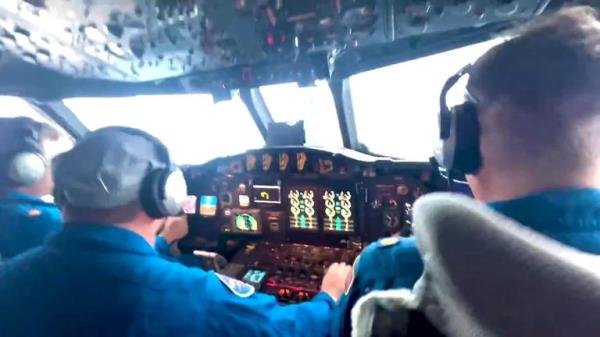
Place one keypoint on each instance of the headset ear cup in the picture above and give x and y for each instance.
(174, 192)
(466, 153)
(163, 193)
(150, 194)
(27, 168)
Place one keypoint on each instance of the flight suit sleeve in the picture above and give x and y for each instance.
(248, 313)
(387, 264)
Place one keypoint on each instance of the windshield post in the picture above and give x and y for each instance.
(258, 109)
(62, 115)
(342, 98)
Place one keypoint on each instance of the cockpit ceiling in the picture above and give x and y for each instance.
(141, 40)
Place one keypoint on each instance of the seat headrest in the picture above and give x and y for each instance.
(394, 313)
(495, 277)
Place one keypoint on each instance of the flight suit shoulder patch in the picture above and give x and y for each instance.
(386, 242)
(34, 213)
(237, 287)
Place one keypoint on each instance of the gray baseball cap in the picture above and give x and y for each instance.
(105, 169)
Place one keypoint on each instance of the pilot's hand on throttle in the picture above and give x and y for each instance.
(334, 281)
(175, 228)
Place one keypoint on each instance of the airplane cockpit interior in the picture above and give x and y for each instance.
(304, 128)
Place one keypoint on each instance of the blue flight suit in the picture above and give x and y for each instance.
(163, 249)
(26, 222)
(570, 216)
(101, 280)
(162, 246)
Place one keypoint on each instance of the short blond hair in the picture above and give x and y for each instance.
(539, 94)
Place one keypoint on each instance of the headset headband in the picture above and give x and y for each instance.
(445, 116)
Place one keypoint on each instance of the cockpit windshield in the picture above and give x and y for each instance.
(19, 107)
(395, 112)
(396, 107)
(313, 104)
(194, 128)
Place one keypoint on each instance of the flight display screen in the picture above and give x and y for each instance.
(338, 214)
(255, 277)
(189, 205)
(208, 205)
(247, 222)
(302, 210)
(267, 194)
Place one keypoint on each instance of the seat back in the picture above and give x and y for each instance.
(391, 313)
(486, 275)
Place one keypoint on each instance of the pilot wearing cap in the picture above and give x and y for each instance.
(528, 140)
(26, 220)
(101, 276)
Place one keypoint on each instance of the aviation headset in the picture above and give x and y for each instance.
(27, 164)
(459, 151)
(164, 188)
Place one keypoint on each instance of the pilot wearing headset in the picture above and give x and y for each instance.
(26, 221)
(102, 277)
(527, 139)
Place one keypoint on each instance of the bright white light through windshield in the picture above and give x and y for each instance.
(18, 107)
(396, 107)
(193, 127)
(290, 103)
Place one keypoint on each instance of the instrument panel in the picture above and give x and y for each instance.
(303, 195)
(263, 208)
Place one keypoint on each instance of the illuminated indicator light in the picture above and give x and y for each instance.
(270, 40)
(244, 201)
(189, 206)
(208, 205)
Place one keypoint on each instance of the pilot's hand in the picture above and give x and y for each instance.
(335, 279)
(175, 228)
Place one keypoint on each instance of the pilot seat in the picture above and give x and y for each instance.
(485, 275)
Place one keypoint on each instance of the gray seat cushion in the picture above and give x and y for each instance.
(486, 275)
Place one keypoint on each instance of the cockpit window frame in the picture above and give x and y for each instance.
(259, 111)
